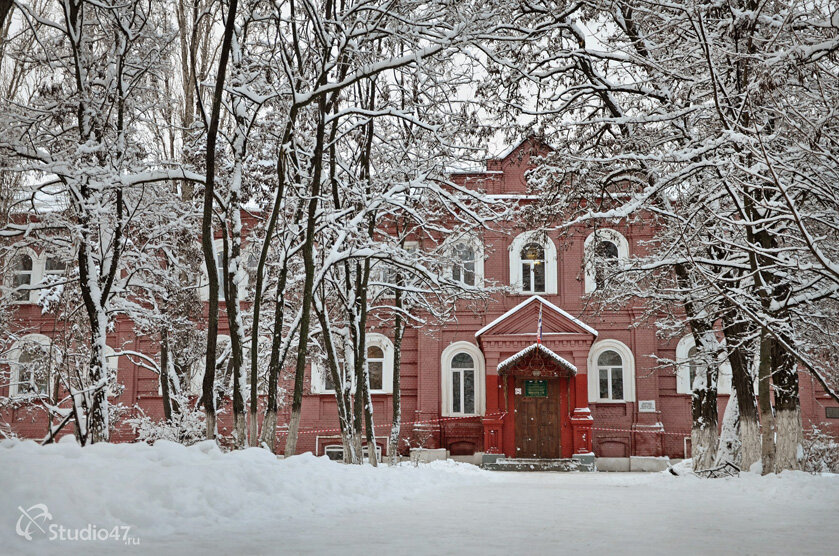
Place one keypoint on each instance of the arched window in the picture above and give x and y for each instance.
(33, 361)
(376, 366)
(533, 268)
(379, 367)
(611, 372)
(610, 375)
(380, 363)
(533, 264)
(463, 269)
(604, 249)
(605, 255)
(690, 362)
(22, 276)
(463, 382)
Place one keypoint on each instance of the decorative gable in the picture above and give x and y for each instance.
(523, 320)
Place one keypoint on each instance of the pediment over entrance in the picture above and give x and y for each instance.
(523, 320)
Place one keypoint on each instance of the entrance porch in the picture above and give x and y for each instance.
(537, 389)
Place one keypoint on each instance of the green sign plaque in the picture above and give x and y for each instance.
(535, 388)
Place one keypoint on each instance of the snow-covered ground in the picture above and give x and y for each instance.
(178, 500)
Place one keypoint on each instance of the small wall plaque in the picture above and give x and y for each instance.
(646, 406)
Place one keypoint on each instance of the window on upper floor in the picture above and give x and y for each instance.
(611, 373)
(463, 269)
(533, 268)
(604, 249)
(533, 264)
(22, 277)
(462, 383)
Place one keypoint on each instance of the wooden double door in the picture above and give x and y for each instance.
(538, 418)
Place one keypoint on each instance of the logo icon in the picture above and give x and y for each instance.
(35, 517)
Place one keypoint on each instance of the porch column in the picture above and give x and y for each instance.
(581, 419)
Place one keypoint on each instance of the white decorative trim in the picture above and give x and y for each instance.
(546, 303)
(605, 234)
(445, 377)
(683, 385)
(628, 360)
(550, 260)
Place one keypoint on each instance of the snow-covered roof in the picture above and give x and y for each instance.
(546, 303)
(510, 361)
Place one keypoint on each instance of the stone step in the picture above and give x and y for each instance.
(538, 464)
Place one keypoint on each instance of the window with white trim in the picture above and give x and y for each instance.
(533, 264)
(689, 363)
(112, 362)
(23, 269)
(604, 249)
(610, 376)
(379, 367)
(33, 359)
(611, 373)
(463, 380)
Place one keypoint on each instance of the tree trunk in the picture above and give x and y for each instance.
(208, 385)
(164, 375)
(742, 383)
(729, 442)
(790, 434)
(308, 284)
(767, 419)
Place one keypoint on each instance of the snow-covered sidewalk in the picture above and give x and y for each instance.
(178, 500)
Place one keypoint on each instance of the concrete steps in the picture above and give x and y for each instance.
(584, 463)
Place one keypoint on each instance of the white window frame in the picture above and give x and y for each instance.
(112, 362)
(628, 360)
(683, 385)
(478, 250)
(14, 356)
(602, 234)
(516, 279)
(446, 378)
(35, 276)
(318, 370)
(204, 285)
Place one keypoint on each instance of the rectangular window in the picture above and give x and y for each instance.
(604, 384)
(617, 384)
(831, 412)
(538, 277)
(456, 392)
(468, 391)
(525, 277)
(376, 375)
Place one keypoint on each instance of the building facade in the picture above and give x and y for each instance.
(534, 373)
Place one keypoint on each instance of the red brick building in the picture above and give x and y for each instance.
(488, 382)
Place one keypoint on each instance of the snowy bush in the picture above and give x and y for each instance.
(184, 428)
(821, 452)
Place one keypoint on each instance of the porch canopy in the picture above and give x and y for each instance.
(537, 360)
